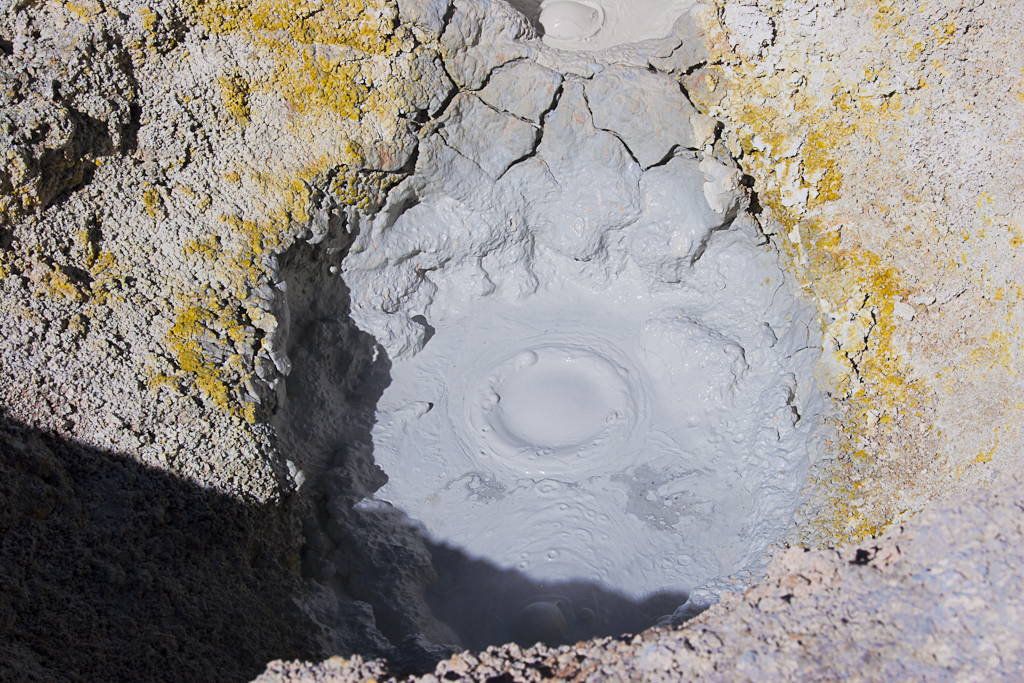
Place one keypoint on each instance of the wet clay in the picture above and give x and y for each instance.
(599, 373)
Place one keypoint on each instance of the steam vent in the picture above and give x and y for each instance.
(473, 340)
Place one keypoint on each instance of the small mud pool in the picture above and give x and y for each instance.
(599, 24)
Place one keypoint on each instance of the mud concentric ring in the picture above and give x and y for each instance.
(549, 407)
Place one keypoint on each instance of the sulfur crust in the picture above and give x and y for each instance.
(318, 47)
(791, 138)
(326, 61)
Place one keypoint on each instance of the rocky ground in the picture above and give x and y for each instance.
(159, 162)
(179, 179)
(113, 570)
(935, 600)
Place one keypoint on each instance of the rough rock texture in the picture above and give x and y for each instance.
(112, 570)
(177, 175)
(884, 140)
(61, 108)
(159, 162)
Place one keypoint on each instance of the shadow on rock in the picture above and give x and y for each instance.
(112, 570)
(366, 555)
(486, 605)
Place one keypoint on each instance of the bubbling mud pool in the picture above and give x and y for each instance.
(615, 438)
(601, 392)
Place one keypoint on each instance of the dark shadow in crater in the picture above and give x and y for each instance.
(111, 570)
(328, 406)
(486, 605)
(363, 554)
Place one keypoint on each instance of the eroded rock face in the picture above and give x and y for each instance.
(67, 98)
(874, 159)
(160, 161)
